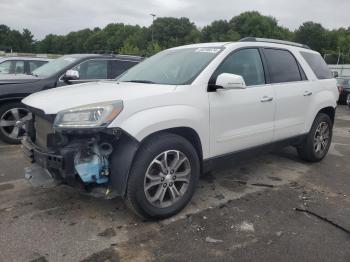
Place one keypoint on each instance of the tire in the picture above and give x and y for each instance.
(149, 163)
(348, 100)
(12, 124)
(316, 145)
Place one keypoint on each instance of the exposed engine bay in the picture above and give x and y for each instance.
(78, 157)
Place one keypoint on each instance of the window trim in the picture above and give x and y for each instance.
(212, 87)
(300, 69)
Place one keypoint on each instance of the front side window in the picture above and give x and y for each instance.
(246, 63)
(92, 69)
(282, 66)
(172, 67)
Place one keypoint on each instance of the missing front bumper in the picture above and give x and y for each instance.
(40, 177)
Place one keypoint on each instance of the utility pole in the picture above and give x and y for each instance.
(153, 16)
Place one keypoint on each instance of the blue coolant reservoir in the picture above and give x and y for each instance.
(90, 168)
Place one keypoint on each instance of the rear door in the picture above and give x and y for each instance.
(291, 92)
(241, 118)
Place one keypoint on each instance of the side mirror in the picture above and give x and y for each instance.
(335, 74)
(71, 75)
(230, 81)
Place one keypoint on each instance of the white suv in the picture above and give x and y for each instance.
(150, 134)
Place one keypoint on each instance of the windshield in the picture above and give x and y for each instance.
(172, 67)
(54, 66)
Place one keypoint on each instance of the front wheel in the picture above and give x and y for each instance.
(163, 176)
(316, 145)
(12, 122)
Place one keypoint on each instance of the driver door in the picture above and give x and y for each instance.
(89, 71)
(241, 118)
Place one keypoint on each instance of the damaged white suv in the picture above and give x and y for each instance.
(149, 135)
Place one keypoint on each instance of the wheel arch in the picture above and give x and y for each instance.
(330, 111)
(124, 156)
(10, 100)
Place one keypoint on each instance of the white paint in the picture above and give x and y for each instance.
(225, 121)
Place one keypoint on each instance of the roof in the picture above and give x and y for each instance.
(25, 58)
(252, 41)
(274, 41)
(111, 56)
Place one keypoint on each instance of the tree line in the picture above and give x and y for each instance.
(170, 31)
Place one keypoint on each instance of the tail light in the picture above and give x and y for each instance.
(340, 89)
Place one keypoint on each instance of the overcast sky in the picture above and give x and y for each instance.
(62, 16)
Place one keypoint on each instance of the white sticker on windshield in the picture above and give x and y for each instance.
(207, 50)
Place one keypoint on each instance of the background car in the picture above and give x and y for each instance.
(66, 70)
(344, 89)
(21, 65)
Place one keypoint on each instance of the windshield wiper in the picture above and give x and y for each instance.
(141, 81)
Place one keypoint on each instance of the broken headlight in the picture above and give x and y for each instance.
(89, 116)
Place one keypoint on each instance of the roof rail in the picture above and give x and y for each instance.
(275, 41)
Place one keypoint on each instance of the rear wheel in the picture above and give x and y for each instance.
(316, 145)
(12, 122)
(163, 177)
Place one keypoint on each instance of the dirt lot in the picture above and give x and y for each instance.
(270, 208)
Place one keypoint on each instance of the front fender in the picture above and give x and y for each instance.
(146, 122)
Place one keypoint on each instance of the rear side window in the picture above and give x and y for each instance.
(282, 66)
(318, 65)
(119, 67)
(92, 69)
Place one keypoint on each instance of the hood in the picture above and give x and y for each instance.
(55, 100)
(17, 79)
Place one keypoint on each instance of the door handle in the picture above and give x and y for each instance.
(266, 99)
(307, 93)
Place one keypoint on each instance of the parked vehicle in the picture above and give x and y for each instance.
(66, 70)
(344, 90)
(21, 65)
(185, 111)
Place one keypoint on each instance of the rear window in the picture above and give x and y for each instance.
(318, 65)
(282, 66)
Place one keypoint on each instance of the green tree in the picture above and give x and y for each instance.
(129, 49)
(28, 41)
(256, 25)
(170, 31)
(313, 35)
(219, 31)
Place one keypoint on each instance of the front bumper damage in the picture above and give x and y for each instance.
(92, 160)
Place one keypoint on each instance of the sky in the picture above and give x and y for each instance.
(42, 17)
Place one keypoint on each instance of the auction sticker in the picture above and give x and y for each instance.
(207, 50)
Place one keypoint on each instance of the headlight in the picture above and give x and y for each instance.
(89, 116)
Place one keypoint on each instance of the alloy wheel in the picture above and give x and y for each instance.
(12, 122)
(321, 138)
(167, 178)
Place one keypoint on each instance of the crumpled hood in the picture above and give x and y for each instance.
(17, 79)
(55, 100)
